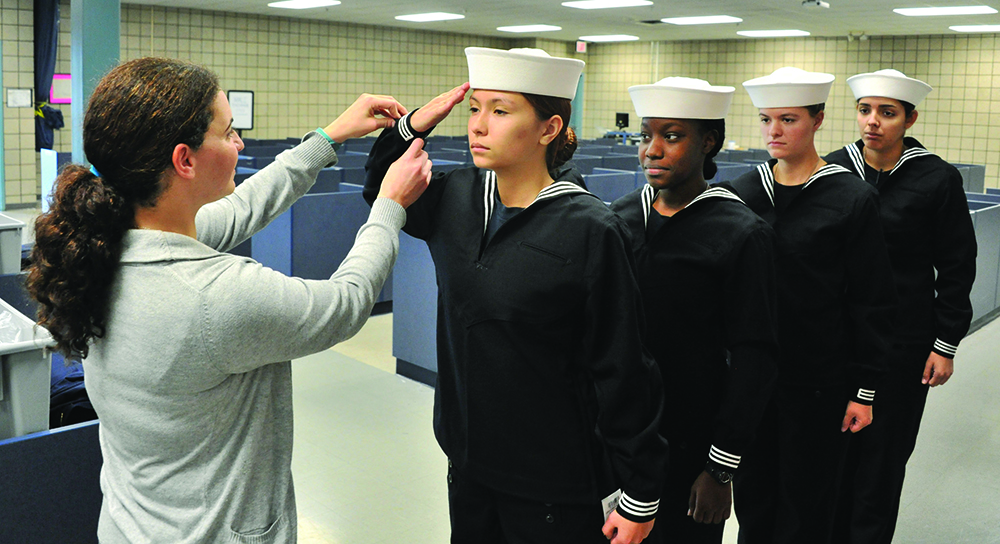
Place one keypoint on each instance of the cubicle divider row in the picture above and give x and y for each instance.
(415, 289)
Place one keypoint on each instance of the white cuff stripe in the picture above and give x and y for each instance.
(724, 458)
(945, 347)
(636, 508)
(866, 394)
(404, 127)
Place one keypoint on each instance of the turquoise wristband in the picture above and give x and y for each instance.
(336, 145)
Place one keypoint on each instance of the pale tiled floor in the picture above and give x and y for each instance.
(367, 468)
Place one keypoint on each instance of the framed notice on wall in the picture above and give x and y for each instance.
(242, 104)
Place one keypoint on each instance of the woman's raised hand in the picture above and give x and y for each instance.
(437, 109)
(407, 178)
(367, 114)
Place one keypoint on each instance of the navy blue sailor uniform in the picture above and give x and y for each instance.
(708, 285)
(928, 229)
(544, 390)
(835, 298)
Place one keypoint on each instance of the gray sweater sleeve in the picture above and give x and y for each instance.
(254, 315)
(224, 224)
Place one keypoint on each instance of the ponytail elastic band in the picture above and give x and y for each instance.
(94, 171)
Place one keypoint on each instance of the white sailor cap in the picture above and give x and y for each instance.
(530, 71)
(789, 88)
(682, 98)
(889, 84)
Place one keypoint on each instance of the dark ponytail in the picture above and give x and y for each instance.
(561, 149)
(138, 113)
(719, 126)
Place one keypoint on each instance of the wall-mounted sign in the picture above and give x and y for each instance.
(19, 98)
(241, 103)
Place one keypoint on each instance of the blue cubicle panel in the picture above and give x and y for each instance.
(640, 177)
(729, 171)
(986, 217)
(351, 159)
(414, 309)
(992, 191)
(460, 157)
(585, 164)
(594, 149)
(610, 186)
(360, 145)
(51, 489)
(311, 239)
(621, 162)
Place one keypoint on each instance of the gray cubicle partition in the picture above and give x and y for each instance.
(973, 176)
(985, 300)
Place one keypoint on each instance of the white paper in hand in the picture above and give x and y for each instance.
(610, 503)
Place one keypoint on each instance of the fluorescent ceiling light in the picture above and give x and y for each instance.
(604, 4)
(772, 33)
(303, 4)
(954, 10)
(975, 28)
(529, 28)
(429, 17)
(609, 38)
(705, 20)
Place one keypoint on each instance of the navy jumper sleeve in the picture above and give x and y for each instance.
(627, 381)
(870, 298)
(751, 336)
(390, 145)
(954, 256)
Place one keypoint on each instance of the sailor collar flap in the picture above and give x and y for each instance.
(766, 173)
(556, 190)
(856, 152)
(648, 195)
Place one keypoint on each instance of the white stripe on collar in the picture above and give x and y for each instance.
(908, 154)
(489, 190)
(767, 176)
(649, 195)
(767, 179)
(558, 188)
(857, 157)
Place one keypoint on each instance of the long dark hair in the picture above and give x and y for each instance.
(560, 149)
(138, 113)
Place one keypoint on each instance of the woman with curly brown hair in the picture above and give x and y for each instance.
(186, 350)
